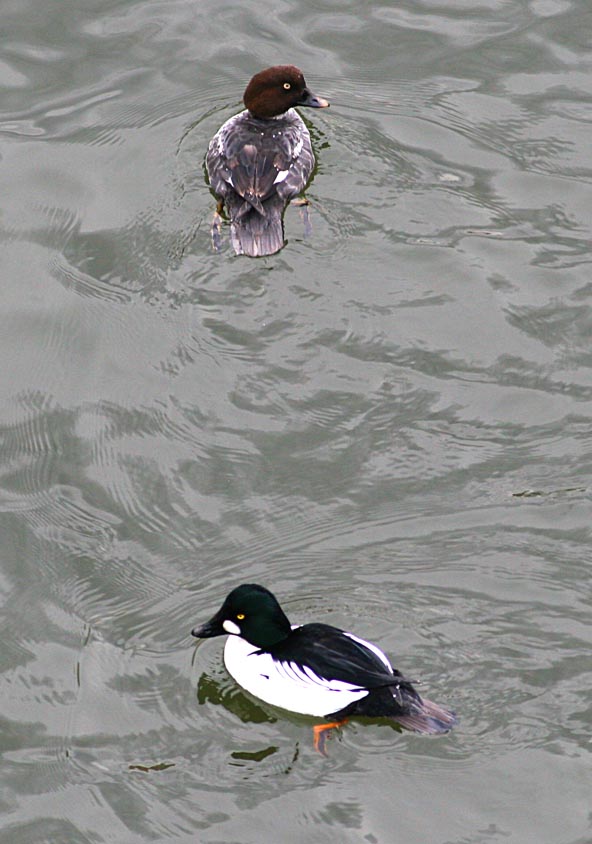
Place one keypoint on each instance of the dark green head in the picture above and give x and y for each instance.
(249, 611)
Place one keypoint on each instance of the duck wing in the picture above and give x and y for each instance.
(333, 654)
(257, 159)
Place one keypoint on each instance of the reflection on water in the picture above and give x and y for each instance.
(387, 422)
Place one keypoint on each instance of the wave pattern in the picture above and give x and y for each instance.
(388, 422)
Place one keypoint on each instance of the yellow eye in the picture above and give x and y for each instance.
(240, 616)
(287, 86)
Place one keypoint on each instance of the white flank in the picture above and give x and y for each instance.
(280, 176)
(286, 685)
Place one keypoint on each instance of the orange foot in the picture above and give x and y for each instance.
(320, 734)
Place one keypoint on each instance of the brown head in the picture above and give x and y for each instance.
(274, 90)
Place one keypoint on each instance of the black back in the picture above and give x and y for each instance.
(333, 655)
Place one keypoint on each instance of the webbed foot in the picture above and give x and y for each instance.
(302, 203)
(320, 734)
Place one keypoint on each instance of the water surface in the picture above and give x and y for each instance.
(387, 423)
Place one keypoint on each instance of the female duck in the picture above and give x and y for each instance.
(315, 669)
(261, 158)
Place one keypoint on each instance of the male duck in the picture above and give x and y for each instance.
(315, 669)
(261, 158)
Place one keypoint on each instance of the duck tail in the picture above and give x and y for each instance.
(256, 231)
(428, 717)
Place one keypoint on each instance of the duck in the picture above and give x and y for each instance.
(315, 669)
(262, 157)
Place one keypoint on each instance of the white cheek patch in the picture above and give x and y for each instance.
(231, 627)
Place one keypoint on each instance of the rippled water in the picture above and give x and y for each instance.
(387, 423)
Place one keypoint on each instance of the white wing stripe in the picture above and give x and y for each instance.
(372, 647)
(286, 684)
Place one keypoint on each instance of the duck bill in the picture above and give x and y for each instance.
(211, 628)
(311, 100)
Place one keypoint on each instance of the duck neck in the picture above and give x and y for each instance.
(268, 634)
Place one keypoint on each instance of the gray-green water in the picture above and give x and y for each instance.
(388, 424)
